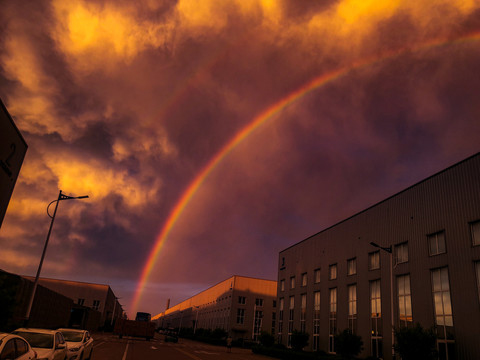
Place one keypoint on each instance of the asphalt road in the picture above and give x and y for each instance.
(110, 347)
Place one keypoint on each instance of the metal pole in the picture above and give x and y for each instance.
(29, 309)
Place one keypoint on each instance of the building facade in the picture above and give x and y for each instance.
(99, 297)
(242, 306)
(417, 252)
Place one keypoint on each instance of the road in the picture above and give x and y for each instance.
(110, 347)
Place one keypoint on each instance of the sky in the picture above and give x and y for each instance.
(210, 135)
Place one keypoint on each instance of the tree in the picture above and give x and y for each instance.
(266, 339)
(348, 345)
(415, 343)
(299, 340)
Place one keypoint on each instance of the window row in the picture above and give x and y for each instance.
(436, 246)
(442, 311)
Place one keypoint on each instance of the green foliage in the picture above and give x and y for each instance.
(348, 345)
(299, 340)
(415, 343)
(266, 339)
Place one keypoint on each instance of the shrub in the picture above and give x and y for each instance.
(266, 339)
(299, 340)
(348, 344)
(415, 343)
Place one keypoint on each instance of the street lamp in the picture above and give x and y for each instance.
(60, 198)
(389, 250)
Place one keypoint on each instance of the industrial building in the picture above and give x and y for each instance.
(99, 297)
(242, 306)
(428, 235)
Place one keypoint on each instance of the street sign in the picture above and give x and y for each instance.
(12, 152)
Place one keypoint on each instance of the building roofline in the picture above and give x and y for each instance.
(384, 200)
(63, 280)
(233, 277)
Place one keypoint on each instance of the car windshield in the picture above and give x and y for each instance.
(73, 336)
(37, 340)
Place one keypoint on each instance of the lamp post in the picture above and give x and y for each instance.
(61, 197)
(389, 250)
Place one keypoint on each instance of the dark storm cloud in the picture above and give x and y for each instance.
(129, 102)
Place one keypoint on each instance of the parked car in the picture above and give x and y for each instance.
(79, 344)
(48, 344)
(15, 347)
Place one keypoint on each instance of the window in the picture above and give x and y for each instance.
(274, 315)
(282, 285)
(404, 301)
(374, 260)
(332, 272)
(81, 302)
(8, 351)
(292, 282)
(259, 302)
(436, 243)
(352, 308)
(401, 253)
(280, 317)
(242, 300)
(475, 230)
(96, 304)
(274, 303)
(352, 266)
(316, 320)
(240, 316)
(257, 324)
(443, 312)
(376, 319)
(22, 347)
(316, 275)
(332, 320)
(303, 313)
(290, 319)
(304, 279)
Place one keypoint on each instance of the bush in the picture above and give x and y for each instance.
(348, 344)
(266, 339)
(415, 343)
(299, 340)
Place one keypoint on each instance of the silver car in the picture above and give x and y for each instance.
(48, 344)
(79, 344)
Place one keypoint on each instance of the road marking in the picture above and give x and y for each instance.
(153, 347)
(126, 349)
(188, 354)
(205, 352)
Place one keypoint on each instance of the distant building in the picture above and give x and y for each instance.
(336, 279)
(99, 297)
(242, 306)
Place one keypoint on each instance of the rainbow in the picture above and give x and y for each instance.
(258, 121)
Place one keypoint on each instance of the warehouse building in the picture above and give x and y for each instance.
(429, 237)
(242, 306)
(99, 297)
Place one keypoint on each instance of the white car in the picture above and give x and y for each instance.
(15, 347)
(79, 344)
(48, 344)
